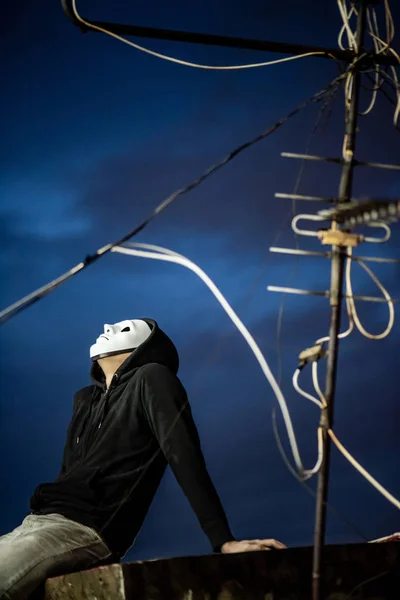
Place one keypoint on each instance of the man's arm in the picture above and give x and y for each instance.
(168, 412)
(169, 415)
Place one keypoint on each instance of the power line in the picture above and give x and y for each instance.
(30, 299)
(103, 29)
(214, 40)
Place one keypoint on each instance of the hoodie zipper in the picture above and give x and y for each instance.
(106, 396)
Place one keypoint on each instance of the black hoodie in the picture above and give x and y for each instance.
(118, 445)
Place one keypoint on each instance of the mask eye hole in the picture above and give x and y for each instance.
(125, 329)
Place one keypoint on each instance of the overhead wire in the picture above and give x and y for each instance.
(185, 62)
(327, 105)
(33, 297)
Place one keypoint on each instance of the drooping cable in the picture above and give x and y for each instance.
(343, 450)
(185, 62)
(295, 381)
(30, 299)
(352, 305)
(363, 471)
(305, 486)
(164, 254)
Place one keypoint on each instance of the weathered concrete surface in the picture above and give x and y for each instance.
(100, 583)
(356, 571)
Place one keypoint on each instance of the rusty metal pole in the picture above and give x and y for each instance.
(337, 268)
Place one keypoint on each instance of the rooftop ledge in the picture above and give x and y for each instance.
(355, 571)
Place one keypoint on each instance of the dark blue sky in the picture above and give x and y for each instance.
(94, 136)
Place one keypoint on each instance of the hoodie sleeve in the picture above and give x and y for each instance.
(170, 418)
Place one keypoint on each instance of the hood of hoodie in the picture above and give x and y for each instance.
(158, 348)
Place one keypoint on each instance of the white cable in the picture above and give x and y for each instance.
(377, 71)
(344, 333)
(310, 472)
(394, 73)
(307, 217)
(363, 472)
(352, 43)
(379, 47)
(346, 18)
(159, 253)
(348, 88)
(381, 240)
(349, 314)
(343, 28)
(316, 384)
(353, 309)
(397, 86)
(390, 31)
(295, 381)
(374, 94)
(184, 62)
(356, 464)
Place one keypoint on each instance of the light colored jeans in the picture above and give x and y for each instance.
(46, 546)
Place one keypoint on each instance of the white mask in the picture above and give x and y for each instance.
(121, 337)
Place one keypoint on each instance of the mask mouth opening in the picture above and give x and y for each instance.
(114, 353)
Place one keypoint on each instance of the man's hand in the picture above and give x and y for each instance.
(251, 546)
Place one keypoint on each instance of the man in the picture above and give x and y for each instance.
(125, 429)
